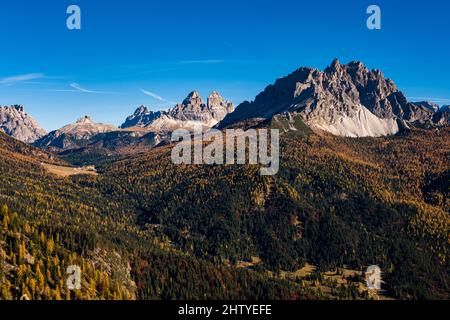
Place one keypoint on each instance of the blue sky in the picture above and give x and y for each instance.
(128, 51)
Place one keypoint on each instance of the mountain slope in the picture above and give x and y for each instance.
(336, 202)
(15, 122)
(346, 100)
(111, 146)
(89, 143)
(49, 223)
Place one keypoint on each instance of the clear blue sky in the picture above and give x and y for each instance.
(170, 48)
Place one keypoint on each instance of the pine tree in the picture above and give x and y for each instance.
(50, 245)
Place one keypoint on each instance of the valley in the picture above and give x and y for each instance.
(350, 192)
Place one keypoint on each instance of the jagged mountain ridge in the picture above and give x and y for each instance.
(15, 122)
(346, 100)
(192, 111)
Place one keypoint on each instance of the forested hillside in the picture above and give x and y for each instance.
(336, 202)
(147, 229)
(48, 223)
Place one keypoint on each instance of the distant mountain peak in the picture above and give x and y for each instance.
(193, 110)
(193, 95)
(19, 108)
(15, 122)
(83, 129)
(214, 95)
(84, 120)
(193, 100)
(334, 67)
(141, 110)
(428, 105)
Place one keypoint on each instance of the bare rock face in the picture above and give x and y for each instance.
(442, 117)
(141, 117)
(347, 100)
(69, 136)
(428, 105)
(15, 122)
(219, 107)
(192, 111)
(445, 109)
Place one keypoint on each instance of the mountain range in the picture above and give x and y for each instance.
(192, 111)
(345, 100)
(86, 133)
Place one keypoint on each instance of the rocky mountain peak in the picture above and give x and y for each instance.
(19, 108)
(214, 94)
(214, 98)
(215, 101)
(345, 99)
(141, 110)
(334, 67)
(83, 129)
(15, 122)
(193, 95)
(193, 100)
(84, 120)
(357, 65)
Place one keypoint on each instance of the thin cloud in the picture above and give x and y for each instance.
(155, 96)
(78, 88)
(208, 61)
(164, 66)
(21, 78)
(429, 99)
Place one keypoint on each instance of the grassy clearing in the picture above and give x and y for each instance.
(62, 171)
